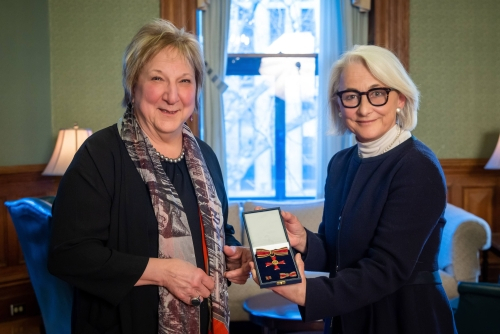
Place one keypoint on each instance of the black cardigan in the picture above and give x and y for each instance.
(104, 232)
(382, 224)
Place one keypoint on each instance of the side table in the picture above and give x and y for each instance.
(275, 313)
(495, 249)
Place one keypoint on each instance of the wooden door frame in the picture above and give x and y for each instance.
(182, 13)
(389, 27)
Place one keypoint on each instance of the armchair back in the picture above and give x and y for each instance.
(32, 221)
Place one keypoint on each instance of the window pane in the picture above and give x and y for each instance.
(299, 89)
(249, 120)
(277, 22)
(254, 25)
(270, 105)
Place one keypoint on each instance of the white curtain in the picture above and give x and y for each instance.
(342, 27)
(215, 22)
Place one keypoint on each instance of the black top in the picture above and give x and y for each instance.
(104, 230)
(178, 175)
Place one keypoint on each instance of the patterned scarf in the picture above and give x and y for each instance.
(175, 240)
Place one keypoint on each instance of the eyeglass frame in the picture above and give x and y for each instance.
(387, 89)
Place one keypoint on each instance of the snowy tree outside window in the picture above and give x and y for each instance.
(271, 103)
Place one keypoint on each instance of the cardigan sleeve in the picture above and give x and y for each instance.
(411, 212)
(81, 223)
(316, 257)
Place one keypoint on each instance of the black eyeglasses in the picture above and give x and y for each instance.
(377, 97)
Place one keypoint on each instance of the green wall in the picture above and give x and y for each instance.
(455, 62)
(60, 63)
(87, 40)
(25, 116)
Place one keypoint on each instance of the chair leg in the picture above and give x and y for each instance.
(484, 267)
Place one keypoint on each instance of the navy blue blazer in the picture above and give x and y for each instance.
(382, 225)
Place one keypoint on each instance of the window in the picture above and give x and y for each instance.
(271, 102)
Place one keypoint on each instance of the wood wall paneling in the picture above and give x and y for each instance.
(476, 190)
(18, 292)
(14, 253)
(390, 27)
(182, 13)
(3, 236)
(480, 201)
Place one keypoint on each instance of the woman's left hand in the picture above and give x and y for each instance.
(296, 293)
(238, 263)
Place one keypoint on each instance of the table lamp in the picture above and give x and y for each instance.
(494, 162)
(68, 142)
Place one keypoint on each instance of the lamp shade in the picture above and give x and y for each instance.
(494, 162)
(68, 142)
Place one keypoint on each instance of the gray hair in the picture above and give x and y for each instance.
(151, 39)
(385, 67)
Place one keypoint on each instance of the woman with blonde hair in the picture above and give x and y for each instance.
(384, 204)
(140, 218)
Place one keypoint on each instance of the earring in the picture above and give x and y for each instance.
(398, 110)
(191, 118)
(340, 114)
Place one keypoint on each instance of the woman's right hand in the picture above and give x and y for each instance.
(297, 234)
(182, 279)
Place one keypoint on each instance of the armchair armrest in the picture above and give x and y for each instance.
(464, 235)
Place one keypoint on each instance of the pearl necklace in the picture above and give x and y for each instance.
(388, 147)
(164, 158)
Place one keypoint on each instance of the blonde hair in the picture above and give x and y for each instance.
(151, 39)
(385, 67)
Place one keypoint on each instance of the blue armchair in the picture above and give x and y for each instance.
(32, 221)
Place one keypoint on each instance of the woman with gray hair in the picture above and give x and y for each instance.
(384, 204)
(140, 218)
